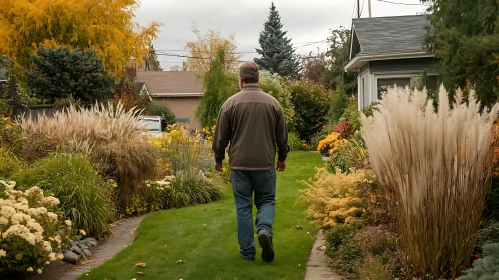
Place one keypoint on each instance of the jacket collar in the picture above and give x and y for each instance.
(251, 87)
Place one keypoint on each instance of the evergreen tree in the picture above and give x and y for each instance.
(464, 35)
(62, 72)
(219, 85)
(151, 61)
(277, 53)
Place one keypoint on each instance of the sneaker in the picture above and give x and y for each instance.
(265, 240)
(248, 258)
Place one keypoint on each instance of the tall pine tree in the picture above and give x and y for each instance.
(151, 61)
(277, 53)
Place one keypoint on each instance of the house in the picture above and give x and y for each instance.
(181, 90)
(388, 51)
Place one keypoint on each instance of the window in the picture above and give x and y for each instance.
(385, 83)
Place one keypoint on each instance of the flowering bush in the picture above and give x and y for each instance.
(30, 230)
(330, 144)
(344, 128)
(335, 198)
(180, 151)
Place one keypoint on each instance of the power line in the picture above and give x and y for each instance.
(161, 52)
(406, 4)
(362, 8)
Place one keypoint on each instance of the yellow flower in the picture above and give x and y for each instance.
(2, 253)
(30, 269)
(82, 232)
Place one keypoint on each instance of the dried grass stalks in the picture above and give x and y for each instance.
(112, 137)
(437, 165)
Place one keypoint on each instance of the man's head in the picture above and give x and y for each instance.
(248, 73)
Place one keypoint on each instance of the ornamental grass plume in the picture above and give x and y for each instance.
(437, 164)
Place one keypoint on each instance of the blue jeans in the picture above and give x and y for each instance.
(263, 184)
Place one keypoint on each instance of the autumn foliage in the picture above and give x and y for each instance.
(105, 26)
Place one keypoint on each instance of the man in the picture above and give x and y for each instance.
(253, 123)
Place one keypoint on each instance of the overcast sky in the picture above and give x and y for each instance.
(306, 21)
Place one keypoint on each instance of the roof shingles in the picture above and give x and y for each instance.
(172, 82)
(390, 34)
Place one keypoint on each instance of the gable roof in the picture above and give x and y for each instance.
(387, 37)
(172, 83)
(390, 34)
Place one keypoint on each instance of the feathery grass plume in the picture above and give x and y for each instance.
(437, 164)
(110, 135)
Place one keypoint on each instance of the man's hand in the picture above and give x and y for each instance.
(219, 168)
(281, 166)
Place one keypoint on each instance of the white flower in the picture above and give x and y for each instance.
(3, 221)
(17, 218)
(68, 223)
(34, 226)
(47, 246)
(39, 271)
(82, 232)
(7, 212)
(52, 256)
(34, 192)
(53, 216)
(30, 269)
(3, 253)
(60, 256)
(50, 201)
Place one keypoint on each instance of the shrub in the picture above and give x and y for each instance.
(9, 163)
(335, 198)
(486, 268)
(296, 144)
(357, 251)
(349, 154)
(31, 232)
(160, 108)
(339, 104)
(311, 105)
(352, 115)
(372, 268)
(73, 180)
(438, 167)
(111, 136)
(127, 92)
(271, 84)
(489, 234)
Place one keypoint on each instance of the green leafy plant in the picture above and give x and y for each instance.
(81, 191)
(9, 163)
(271, 84)
(311, 103)
(160, 108)
(486, 268)
(296, 144)
(31, 232)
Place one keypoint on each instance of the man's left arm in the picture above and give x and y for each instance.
(281, 140)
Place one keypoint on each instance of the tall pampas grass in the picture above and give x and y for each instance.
(437, 165)
(112, 136)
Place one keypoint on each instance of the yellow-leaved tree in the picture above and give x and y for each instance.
(105, 26)
(204, 49)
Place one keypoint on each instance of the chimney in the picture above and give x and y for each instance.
(131, 72)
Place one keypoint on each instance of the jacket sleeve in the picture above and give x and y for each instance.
(281, 136)
(222, 136)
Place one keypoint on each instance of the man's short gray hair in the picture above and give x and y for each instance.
(248, 72)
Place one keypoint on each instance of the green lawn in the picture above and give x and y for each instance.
(205, 237)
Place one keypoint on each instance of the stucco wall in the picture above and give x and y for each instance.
(183, 107)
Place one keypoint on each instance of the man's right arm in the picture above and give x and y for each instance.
(221, 137)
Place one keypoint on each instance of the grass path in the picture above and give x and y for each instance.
(205, 237)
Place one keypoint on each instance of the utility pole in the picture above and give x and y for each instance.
(369, 6)
(358, 8)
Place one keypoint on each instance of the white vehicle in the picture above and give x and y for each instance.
(154, 125)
